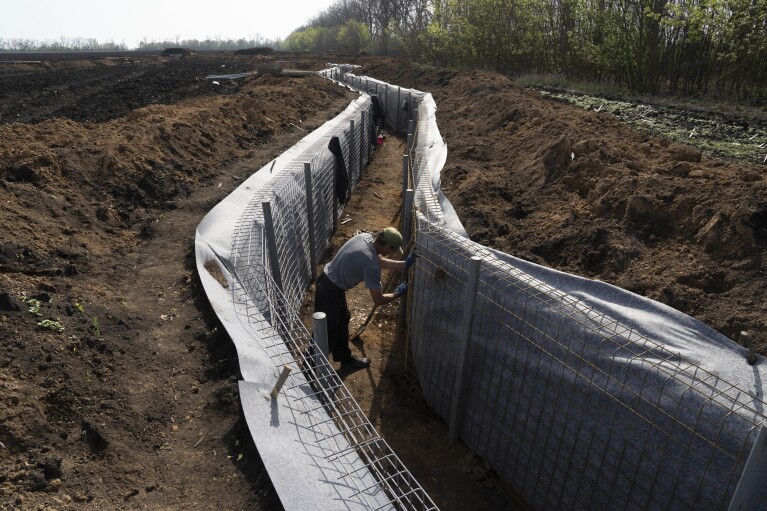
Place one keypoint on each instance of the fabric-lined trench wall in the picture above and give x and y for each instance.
(287, 198)
(320, 450)
(580, 395)
(573, 407)
(399, 104)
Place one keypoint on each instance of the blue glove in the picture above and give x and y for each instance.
(401, 289)
(410, 259)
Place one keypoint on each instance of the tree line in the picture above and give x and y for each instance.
(89, 44)
(692, 47)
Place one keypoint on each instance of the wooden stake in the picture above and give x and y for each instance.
(281, 380)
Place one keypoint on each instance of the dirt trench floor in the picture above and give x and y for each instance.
(118, 387)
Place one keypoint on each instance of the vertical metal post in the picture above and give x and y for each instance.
(363, 141)
(402, 319)
(310, 217)
(405, 172)
(373, 134)
(410, 106)
(410, 142)
(271, 243)
(407, 219)
(407, 214)
(351, 151)
(407, 222)
(386, 106)
(456, 407)
(334, 200)
(415, 115)
(399, 107)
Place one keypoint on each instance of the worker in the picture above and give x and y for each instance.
(360, 259)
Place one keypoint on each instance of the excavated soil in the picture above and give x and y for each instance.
(578, 191)
(118, 386)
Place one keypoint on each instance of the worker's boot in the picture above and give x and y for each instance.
(355, 363)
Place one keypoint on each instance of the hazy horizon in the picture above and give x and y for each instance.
(46, 21)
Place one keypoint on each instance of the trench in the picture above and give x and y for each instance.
(387, 391)
(526, 433)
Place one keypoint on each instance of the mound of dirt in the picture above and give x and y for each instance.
(578, 191)
(118, 387)
(178, 51)
(263, 50)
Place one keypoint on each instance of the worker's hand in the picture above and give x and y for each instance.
(410, 259)
(401, 289)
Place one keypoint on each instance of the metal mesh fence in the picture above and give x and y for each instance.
(283, 208)
(399, 104)
(570, 406)
(335, 432)
(574, 409)
(272, 266)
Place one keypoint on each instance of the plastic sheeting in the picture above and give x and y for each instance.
(310, 464)
(582, 395)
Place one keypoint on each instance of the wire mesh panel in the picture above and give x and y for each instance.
(573, 408)
(334, 433)
(289, 215)
(574, 404)
(286, 196)
(322, 193)
(271, 268)
(441, 276)
(398, 103)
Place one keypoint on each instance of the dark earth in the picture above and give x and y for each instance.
(579, 191)
(118, 386)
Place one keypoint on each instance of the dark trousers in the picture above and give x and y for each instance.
(331, 300)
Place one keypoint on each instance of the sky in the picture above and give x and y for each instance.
(154, 20)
